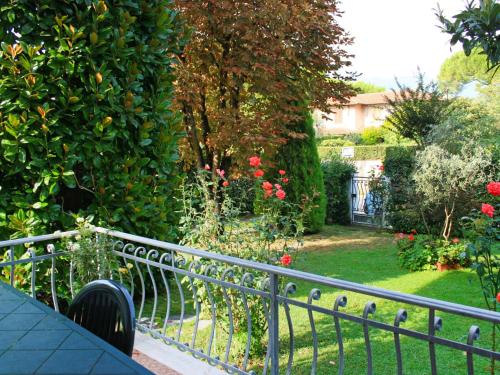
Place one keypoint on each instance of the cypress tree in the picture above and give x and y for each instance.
(299, 158)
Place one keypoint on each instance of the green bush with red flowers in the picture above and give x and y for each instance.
(418, 252)
(212, 219)
(482, 230)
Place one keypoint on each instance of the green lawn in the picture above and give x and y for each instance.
(369, 257)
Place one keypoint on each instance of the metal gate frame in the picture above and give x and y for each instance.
(361, 212)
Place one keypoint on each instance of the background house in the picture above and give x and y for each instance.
(362, 111)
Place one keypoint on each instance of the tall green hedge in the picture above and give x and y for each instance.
(375, 152)
(299, 158)
(85, 124)
(337, 173)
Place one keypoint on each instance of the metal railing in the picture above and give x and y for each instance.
(163, 277)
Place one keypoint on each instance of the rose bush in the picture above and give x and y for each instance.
(482, 231)
(212, 219)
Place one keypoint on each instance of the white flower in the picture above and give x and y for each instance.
(50, 248)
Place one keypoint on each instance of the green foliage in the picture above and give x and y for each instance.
(483, 234)
(476, 27)
(333, 141)
(372, 136)
(404, 212)
(336, 174)
(241, 191)
(299, 158)
(362, 152)
(367, 88)
(266, 238)
(91, 255)
(420, 252)
(85, 125)
(414, 112)
(459, 70)
(468, 121)
(417, 255)
(451, 181)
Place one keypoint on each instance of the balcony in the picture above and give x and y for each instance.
(210, 308)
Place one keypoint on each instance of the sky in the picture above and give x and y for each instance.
(394, 37)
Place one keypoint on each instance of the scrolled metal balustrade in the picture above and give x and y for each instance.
(155, 272)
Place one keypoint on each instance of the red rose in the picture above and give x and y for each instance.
(278, 186)
(267, 185)
(493, 188)
(286, 260)
(282, 172)
(498, 297)
(220, 172)
(225, 183)
(254, 161)
(268, 193)
(258, 173)
(455, 240)
(381, 168)
(207, 167)
(280, 194)
(411, 237)
(285, 180)
(487, 209)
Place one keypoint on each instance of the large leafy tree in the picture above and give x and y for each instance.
(413, 112)
(367, 88)
(460, 69)
(247, 66)
(85, 124)
(476, 27)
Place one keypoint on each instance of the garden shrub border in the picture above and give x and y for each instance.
(375, 152)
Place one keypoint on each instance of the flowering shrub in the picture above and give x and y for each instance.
(213, 220)
(422, 252)
(482, 231)
(415, 253)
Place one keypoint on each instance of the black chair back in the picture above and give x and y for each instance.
(105, 308)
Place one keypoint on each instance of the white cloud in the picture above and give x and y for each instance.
(393, 37)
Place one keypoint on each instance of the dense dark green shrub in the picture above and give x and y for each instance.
(299, 158)
(337, 173)
(85, 91)
(402, 209)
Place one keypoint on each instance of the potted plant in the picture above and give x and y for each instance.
(452, 255)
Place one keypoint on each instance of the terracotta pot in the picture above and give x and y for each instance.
(446, 267)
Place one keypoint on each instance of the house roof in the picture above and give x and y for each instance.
(377, 98)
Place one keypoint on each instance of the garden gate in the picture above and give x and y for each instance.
(367, 201)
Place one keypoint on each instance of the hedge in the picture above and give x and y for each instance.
(85, 124)
(377, 152)
(337, 173)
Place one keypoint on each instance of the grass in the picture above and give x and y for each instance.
(369, 257)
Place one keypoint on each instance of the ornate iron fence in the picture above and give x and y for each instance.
(164, 277)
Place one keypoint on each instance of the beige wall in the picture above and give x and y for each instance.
(349, 119)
